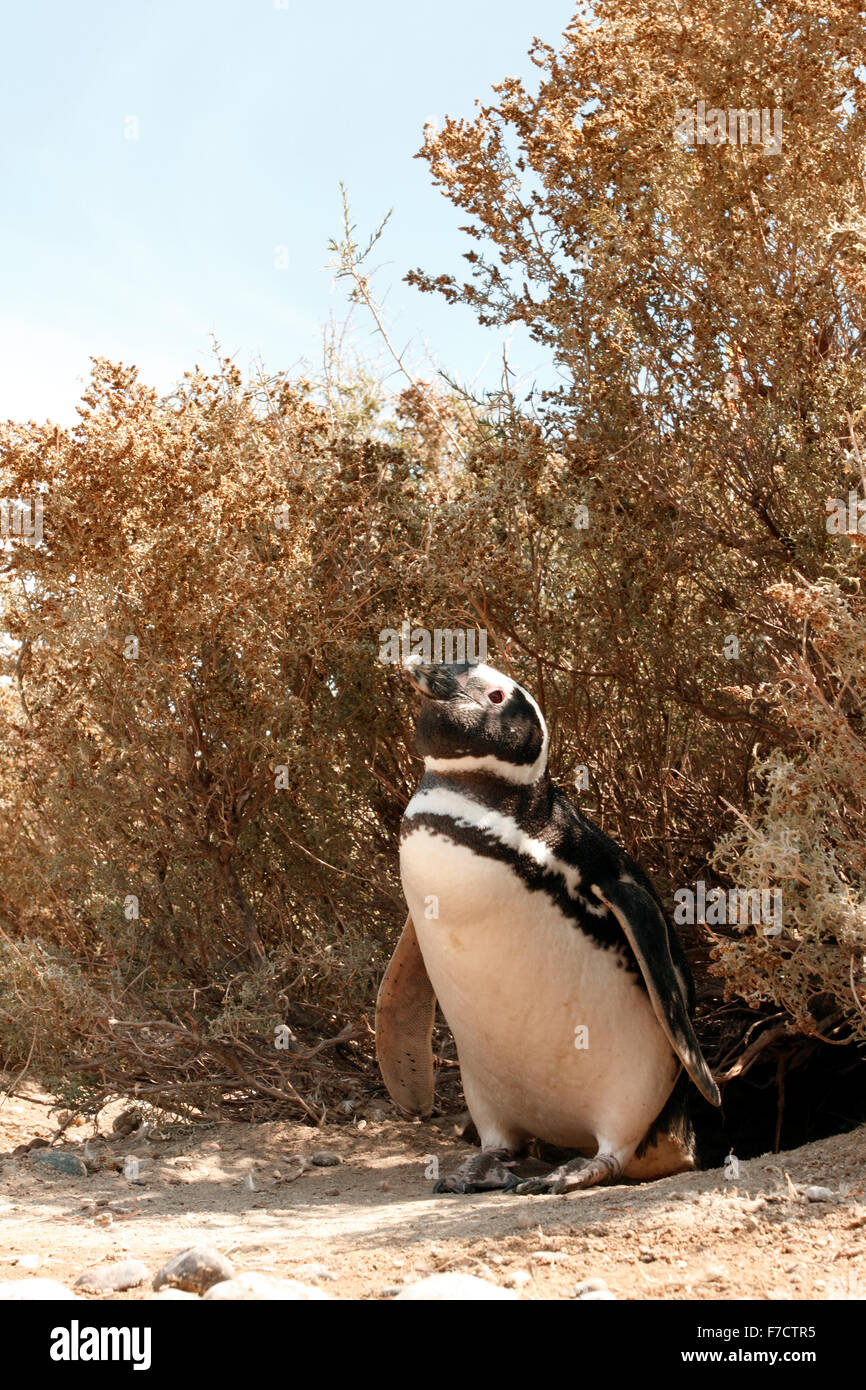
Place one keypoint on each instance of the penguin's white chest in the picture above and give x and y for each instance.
(556, 1038)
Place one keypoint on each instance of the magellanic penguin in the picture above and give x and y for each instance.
(563, 983)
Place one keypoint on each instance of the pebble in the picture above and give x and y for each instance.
(446, 1288)
(518, 1279)
(18, 1290)
(589, 1289)
(195, 1269)
(314, 1271)
(544, 1257)
(325, 1158)
(67, 1164)
(110, 1278)
(244, 1287)
(818, 1194)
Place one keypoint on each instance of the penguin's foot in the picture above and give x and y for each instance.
(578, 1172)
(482, 1172)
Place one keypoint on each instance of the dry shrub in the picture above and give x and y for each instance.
(200, 791)
(805, 831)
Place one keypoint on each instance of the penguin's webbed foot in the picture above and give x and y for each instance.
(482, 1172)
(577, 1173)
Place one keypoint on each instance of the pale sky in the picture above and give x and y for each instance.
(246, 115)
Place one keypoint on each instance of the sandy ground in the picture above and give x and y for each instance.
(369, 1224)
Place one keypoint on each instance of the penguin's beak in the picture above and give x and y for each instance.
(436, 682)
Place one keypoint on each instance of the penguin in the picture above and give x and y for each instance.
(557, 970)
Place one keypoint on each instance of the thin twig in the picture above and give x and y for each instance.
(348, 266)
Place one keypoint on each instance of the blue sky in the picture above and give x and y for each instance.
(249, 113)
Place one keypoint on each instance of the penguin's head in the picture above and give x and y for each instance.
(475, 719)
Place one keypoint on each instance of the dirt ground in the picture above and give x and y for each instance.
(368, 1225)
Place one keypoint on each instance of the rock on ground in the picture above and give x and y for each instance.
(265, 1288)
(67, 1164)
(16, 1290)
(111, 1278)
(195, 1269)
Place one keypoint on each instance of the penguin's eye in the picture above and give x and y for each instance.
(496, 696)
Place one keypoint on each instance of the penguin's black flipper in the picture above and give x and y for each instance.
(646, 929)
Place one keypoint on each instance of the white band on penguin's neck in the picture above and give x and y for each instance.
(521, 774)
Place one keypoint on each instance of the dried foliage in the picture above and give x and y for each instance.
(806, 829)
(200, 791)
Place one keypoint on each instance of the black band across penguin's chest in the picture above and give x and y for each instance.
(575, 904)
